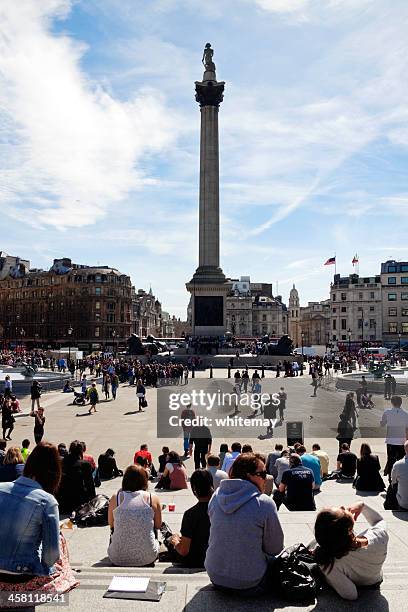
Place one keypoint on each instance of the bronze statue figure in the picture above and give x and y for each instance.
(208, 58)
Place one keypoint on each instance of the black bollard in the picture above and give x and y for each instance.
(229, 371)
(301, 369)
(263, 371)
(211, 371)
(192, 371)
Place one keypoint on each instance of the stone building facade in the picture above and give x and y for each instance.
(146, 314)
(314, 323)
(69, 304)
(356, 309)
(394, 281)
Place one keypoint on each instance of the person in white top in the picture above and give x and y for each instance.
(346, 560)
(396, 420)
(213, 466)
(399, 477)
(230, 457)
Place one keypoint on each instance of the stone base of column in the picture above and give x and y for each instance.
(209, 303)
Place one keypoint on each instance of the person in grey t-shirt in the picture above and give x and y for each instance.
(281, 465)
(213, 466)
(399, 476)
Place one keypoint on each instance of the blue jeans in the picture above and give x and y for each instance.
(186, 442)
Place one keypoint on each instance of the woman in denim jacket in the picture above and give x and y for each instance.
(29, 526)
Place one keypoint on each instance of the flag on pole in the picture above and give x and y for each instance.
(331, 261)
(355, 260)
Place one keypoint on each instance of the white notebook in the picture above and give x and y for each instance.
(129, 584)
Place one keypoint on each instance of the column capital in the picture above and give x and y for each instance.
(209, 93)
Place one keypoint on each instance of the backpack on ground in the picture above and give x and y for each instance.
(295, 574)
(93, 513)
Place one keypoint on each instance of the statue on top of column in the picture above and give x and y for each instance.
(208, 58)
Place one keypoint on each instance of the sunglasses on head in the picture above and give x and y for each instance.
(262, 474)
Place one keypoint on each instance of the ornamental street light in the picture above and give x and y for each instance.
(302, 335)
(70, 330)
(349, 340)
(399, 343)
(114, 336)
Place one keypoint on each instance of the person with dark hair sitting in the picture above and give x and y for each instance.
(107, 465)
(133, 515)
(175, 475)
(346, 462)
(296, 486)
(13, 465)
(191, 546)
(77, 483)
(33, 554)
(368, 471)
(346, 560)
(213, 467)
(245, 530)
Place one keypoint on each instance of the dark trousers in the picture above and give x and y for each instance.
(199, 458)
(38, 436)
(394, 453)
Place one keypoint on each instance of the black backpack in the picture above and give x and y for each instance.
(296, 575)
(93, 513)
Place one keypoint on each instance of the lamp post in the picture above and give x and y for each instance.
(302, 335)
(22, 334)
(349, 341)
(17, 321)
(114, 336)
(399, 344)
(70, 330)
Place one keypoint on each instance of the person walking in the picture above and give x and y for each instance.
(7, 418)
(93, 397)
(201, 439)
(8, 386)
(345, 431)
(115, 385)
(282, 403)
(396, 421)
(39, 423)
(140, 394)
(315, 383)
(186, 418)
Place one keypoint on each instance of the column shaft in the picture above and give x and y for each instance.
(209, 227)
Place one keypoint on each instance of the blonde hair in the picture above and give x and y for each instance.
(13, 456)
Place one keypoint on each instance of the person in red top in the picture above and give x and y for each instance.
(88, 458)
(143, 452)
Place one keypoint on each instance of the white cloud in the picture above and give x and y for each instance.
(69, 149)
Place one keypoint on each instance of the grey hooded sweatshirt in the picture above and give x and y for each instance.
(244, 529)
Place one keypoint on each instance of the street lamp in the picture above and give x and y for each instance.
(70, 330)
(349, 340)
(399, 344)
(302, 335)
(17, 320)
(114, 336)
(22, 334)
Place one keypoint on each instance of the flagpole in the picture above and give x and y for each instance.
(335, 263)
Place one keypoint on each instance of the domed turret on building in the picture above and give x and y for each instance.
(294, 316)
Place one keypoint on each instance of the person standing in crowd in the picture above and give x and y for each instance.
(106, 384)
(115, 385)
(8, 386)
(396, 421)
(245, 380)
(315, 382)
(348, 560)
(201, 439)
(350, 410)
(84, 385)
(345, 431)
(39, 422)
(239, 506)
(399, 479)
(186, 418)
(133, 515)
(93, 397)
(7, 418)
(192, 542)
(35, 393)
(368, 471)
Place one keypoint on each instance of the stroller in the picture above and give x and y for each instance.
(79, 399)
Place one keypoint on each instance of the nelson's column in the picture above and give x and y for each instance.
(209, 287)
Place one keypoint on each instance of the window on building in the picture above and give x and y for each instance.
(360, 323)
(344, 324)
(334, 337)
(392, 269)
(392, 297)
(372, 308)
(97, 278)
(111, 305)
(110, 318)
(404, 268)
(97, 305)
(98, 316)
(343, 296)
(97, 332)
(404, 280)
(344, 309)
(98, 291)
(404, 312)
(344, 337)
(392, 312)
(334, 297)
(334, 324)
(404, 328)
(360, 309)
(360, 296)
(392, 280)
(334, 309)
(392, 328)
(263, 317)
(372, 295)
(373, 323)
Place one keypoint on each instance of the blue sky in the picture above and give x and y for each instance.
(99, 136)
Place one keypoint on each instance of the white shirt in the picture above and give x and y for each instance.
(396, 420)
(361, 567)
(399, 475)
(217, 475)
(229, 460)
